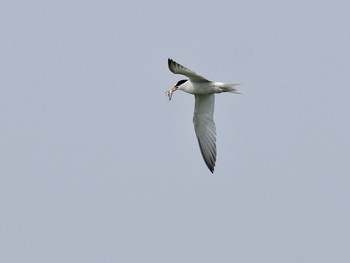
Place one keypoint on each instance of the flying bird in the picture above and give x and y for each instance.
(203, 91)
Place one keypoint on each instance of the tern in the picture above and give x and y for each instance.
(203, 91)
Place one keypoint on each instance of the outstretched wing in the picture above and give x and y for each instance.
(205, 128)
(176, 68)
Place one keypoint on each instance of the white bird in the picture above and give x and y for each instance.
(204, 91)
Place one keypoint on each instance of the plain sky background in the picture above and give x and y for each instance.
(98, 166)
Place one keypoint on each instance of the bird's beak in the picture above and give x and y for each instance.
(170, 92)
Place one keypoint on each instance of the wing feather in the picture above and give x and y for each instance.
(176, 68)
(204, 127)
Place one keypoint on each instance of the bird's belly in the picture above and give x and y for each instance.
(202, 89)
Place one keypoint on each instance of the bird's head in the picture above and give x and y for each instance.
(178, 86)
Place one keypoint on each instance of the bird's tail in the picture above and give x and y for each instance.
(224, 87)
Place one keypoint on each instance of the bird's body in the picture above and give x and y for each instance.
(206, 88)
(204, 91)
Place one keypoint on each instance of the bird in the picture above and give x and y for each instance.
(204, 92)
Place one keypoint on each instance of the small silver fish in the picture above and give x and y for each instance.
(170, 92)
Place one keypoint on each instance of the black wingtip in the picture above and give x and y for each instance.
(211, 167)
(171, 65)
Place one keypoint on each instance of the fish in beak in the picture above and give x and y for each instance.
(170, 92)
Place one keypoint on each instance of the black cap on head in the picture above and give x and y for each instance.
(181, 82)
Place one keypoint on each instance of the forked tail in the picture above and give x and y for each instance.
(224, 87)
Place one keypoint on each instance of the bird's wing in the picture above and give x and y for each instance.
(176, 68)
(205, 128)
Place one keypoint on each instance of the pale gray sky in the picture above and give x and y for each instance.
(98, 166)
